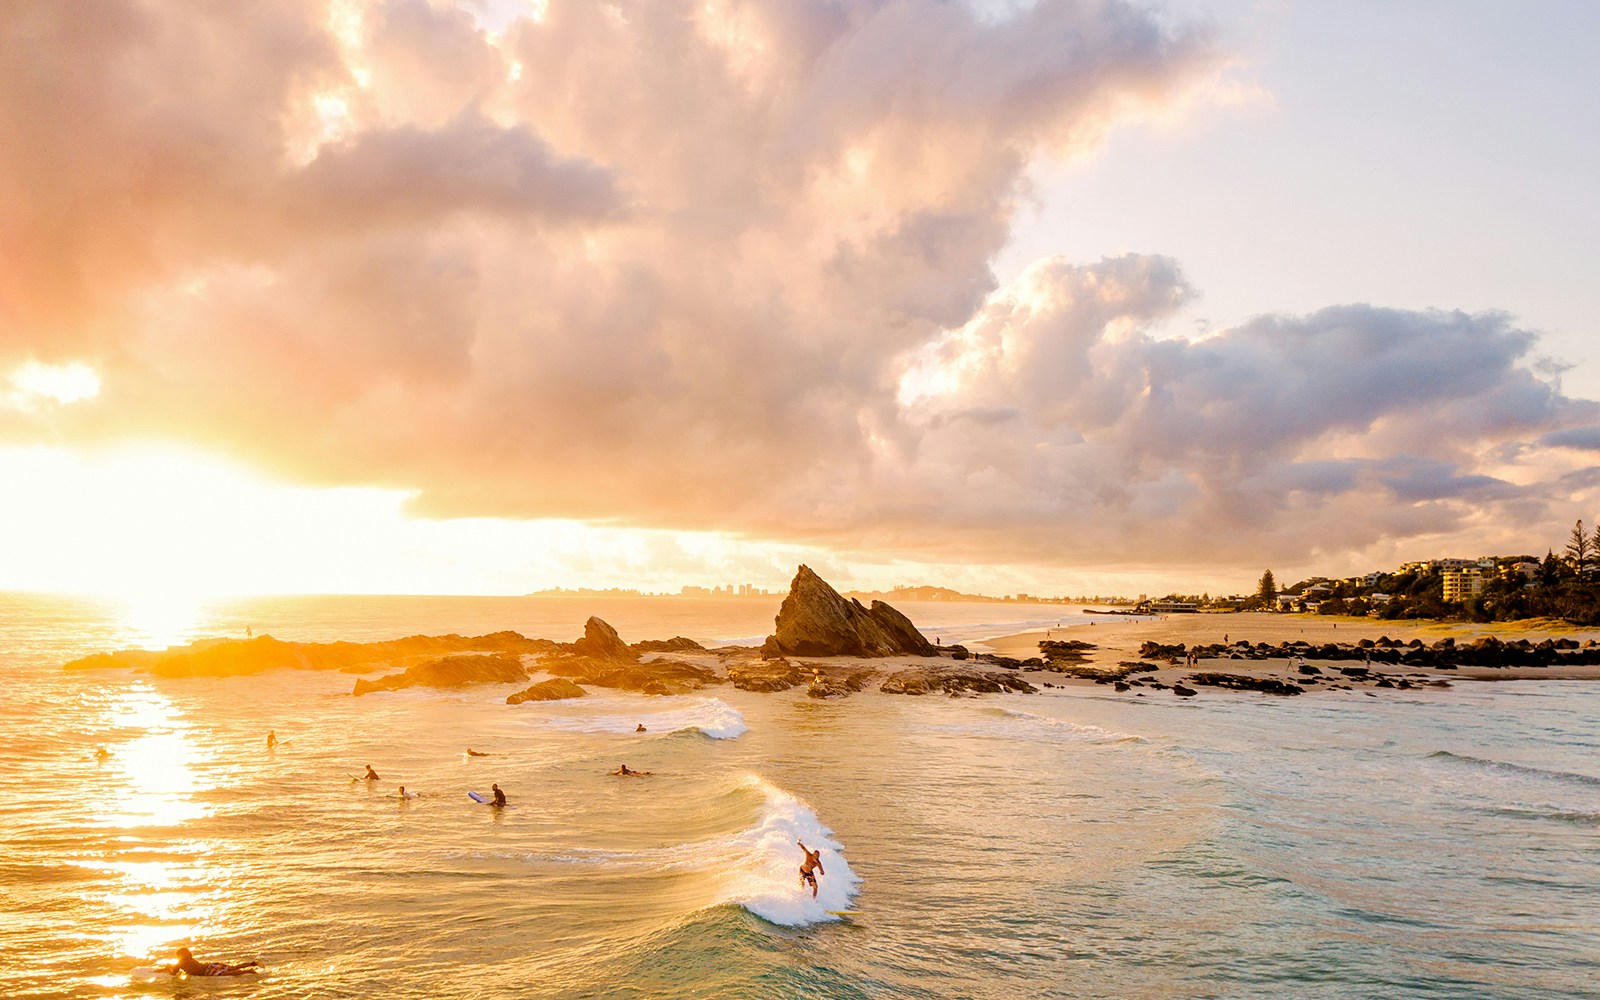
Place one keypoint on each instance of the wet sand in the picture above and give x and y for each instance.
(1117, 639)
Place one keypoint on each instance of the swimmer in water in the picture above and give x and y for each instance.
(188, 965)
(102, 754)
(639, 728)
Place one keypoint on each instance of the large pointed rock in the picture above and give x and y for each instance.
(815, 620)
(601, 642)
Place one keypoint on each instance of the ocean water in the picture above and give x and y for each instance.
(1076, 843)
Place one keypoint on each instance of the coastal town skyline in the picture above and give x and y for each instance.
(490, 297)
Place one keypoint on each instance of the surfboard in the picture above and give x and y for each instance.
(479, 797)
(844, 913)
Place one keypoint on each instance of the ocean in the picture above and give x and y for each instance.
(1074, 843)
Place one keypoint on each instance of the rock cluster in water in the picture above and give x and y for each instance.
(1445, 654)
(460, 670)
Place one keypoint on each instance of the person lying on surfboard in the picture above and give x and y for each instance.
(188, 965)
(630, 772)
(476, 753)
(810, 868)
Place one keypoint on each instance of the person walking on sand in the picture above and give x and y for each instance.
(810, 868)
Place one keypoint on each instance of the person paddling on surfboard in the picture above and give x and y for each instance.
(188, 965)
(372, 775)
(499, 796)
(810, 868)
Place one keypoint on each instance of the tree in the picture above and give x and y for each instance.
(1578, 549)
(1267, 589)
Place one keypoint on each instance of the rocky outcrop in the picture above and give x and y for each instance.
(239, 657)
(677, 644)
(776, 674)
(1245, 682)
(554, 689)
(451, 672)
(1445, 654)
(815, 620)
(650, 677)
(952, 680)
(601, 642)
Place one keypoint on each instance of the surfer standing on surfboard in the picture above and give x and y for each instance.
(810, 868)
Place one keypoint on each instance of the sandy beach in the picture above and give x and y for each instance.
(1117, 640)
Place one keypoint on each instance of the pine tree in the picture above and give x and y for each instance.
(1267, 589)
(1578, 549)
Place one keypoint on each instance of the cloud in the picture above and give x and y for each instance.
(699, 266)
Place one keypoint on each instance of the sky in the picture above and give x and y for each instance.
(483, 296)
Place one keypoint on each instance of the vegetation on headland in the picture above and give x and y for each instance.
(1564, 588)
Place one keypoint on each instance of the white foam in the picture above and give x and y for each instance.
(711, 716)
(764, 876)
(1076, 730)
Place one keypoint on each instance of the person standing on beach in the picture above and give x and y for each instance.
(810, 868)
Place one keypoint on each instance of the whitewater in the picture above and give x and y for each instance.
(1066, 844)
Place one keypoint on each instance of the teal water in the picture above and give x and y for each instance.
(1069, 844)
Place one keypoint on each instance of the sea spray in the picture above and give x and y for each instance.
(764, 877)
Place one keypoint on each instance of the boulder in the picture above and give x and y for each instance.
(777, 674)
(650, 677)
(952, 680)
(554, 689)
(1244, 682)
(450, 672)
(601, 642)
(815, 620)
(677, 644)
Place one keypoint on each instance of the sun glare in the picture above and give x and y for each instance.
(68, 383)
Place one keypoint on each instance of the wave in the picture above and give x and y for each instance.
(1505, 767)
(1073, 730)
(756, 868)
(709, 717)
(763, 875)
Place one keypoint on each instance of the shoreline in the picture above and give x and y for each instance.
(1117, 640)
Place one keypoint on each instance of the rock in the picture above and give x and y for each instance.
(659, 676)
(815, 620)
(234, 657)
(601, 642)
(677, 644)
(1071, 651)
(450, 672)
(952, 680)
(765, 675)
(554, 689)
(1183, 692)
(1246, 682)
(1308, 669)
